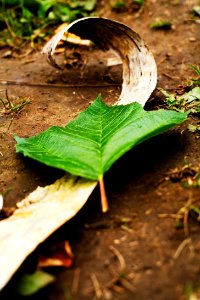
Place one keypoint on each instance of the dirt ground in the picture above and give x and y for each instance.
(162, 261)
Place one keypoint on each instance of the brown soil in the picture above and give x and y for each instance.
(140, 186)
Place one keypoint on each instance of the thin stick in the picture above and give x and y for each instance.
(37, 84)
(181, 247)
(96, 286)
(173, 216)
(8, 100)
(9, 125)
(126, 284)
(120, 258)
(104, 201)
(115, 278)
(9, 28)
(75, 283)
(185, 222)
(3, 103)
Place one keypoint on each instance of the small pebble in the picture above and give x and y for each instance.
(108, 295)
(159, 263)
(149, 272)
(192, 39)
(148, 212)
(116, 242)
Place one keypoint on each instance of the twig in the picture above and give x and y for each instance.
(8, 100)
(75, 282)
(118, 289)
(181, 247)
(117, 278)
(120, 258)
(173, 216)
(9, 28)
(137, 15)
(126, 284)
(96, 285)
(37, 84)
(3, 103)
(170, 77)
(9, 125)
(185, 222)
(114, 280)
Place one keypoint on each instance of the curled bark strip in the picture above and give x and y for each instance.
(139, 67)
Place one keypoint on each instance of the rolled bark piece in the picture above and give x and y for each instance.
(139, 67)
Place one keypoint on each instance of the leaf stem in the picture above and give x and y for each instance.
(104, 201)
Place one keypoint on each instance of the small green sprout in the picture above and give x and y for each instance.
(140, 2)
(10, 106)
(195, 81)
(161, 24)
(190, 209)
(196, 69)
(118, 4)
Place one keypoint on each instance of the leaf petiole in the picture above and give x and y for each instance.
(104, 201)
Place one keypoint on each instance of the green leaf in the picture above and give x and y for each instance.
(30, 284)
(89, 145)
(192, 95)
(44, 6)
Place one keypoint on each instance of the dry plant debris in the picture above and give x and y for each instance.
(12, 106)
(49, 207)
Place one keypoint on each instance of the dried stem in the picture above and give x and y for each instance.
(8, 100)
(120, 258)
(3, 103)
(185, 222)
(96, 285)
(181, 247)
(12, 33)
(75, 283)
(104, 201)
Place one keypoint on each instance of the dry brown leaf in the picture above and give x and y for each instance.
(59, 255)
